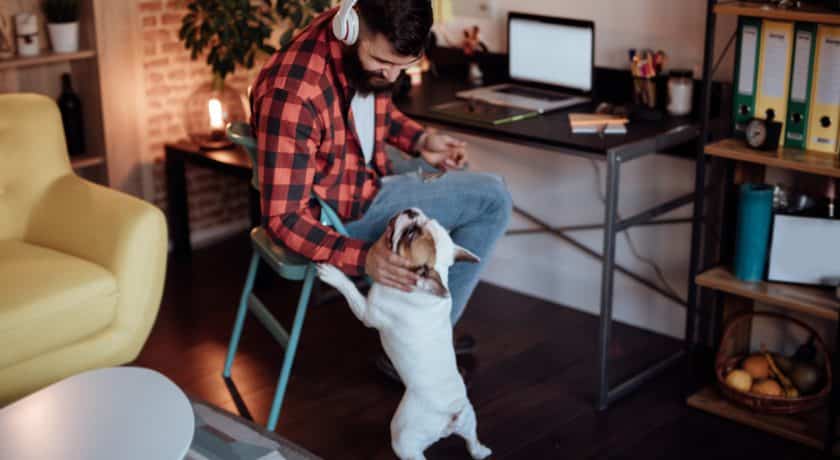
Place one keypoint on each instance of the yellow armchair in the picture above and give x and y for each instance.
(82, 266)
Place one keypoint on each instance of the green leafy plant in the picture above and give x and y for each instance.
(60, 11)
(298, 14)
(233, 32)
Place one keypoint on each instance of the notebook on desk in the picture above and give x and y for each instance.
(483, 112)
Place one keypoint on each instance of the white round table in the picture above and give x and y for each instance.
(122, 413)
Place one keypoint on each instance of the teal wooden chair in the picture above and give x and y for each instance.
(288, 266)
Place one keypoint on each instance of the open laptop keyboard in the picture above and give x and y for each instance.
(515, 90)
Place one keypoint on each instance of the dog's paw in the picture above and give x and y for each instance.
(330, 275)
(480, 452)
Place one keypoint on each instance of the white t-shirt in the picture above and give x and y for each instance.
(364, 116)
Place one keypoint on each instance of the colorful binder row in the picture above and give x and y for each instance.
(790, 72)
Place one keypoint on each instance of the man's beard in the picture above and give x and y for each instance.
(360, 79)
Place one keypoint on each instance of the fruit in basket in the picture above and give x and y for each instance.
(757, 366)
(806, 377)
(767, 387)
(807, 352)
(790, 390)
(739, 380)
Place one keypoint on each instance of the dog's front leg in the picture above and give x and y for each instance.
(337, 279)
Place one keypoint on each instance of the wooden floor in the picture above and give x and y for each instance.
(533, 383)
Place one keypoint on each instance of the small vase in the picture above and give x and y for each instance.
(64, 36)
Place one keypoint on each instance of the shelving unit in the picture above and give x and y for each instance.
(45, 58)
(795, 160)
(813, 301)
(807, 428)
(810, 428)
(42, 74)
(805, 14)
(86, 161)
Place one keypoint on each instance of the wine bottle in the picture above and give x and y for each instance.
(71, 117)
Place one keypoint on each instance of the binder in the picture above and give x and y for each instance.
(825, 93)
(804, 44)
(773, 82)
(746, 70)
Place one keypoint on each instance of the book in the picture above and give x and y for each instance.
(595, 119)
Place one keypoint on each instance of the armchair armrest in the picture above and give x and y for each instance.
(123, 234)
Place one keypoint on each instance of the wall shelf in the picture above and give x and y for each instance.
(806, 13)
(824, 164)
(806, 428)
(806, 299)
(86, 161)
(45, 58)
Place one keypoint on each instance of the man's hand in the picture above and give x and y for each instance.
(388, 268)
(442, 151)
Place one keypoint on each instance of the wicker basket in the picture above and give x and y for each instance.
(728, 360)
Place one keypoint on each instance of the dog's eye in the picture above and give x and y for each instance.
(411, 233)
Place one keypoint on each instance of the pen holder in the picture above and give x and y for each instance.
(644, 92)
(752, 233)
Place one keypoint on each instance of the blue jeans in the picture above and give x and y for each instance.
(474, 207)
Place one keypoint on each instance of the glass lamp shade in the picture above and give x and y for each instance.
(208, 111)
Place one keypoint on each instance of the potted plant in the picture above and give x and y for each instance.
(232, 33)
(62, 24)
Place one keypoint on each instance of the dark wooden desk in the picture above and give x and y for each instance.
(552, 132)
(233, 161)
(549, 131)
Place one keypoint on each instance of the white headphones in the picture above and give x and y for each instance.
(346, 23)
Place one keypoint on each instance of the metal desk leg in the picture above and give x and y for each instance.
(610, 216)
(176, 190)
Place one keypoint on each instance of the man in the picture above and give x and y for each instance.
(322, 113)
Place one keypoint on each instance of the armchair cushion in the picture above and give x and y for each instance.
(49, 299)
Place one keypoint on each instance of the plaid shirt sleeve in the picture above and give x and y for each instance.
(403, 132)
(288, 136)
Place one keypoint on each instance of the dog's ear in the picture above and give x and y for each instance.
(431, 282)
(389, 231)
(465, 255)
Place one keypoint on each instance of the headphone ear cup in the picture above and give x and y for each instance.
(352, 26)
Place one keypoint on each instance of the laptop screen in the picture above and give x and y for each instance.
(551, 51)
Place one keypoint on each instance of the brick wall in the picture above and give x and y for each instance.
(170, 76)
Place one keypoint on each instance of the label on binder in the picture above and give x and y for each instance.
(749, 48)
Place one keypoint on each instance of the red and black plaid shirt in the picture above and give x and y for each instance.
(305, 146)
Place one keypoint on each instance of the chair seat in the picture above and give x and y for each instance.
(49, 299)
(286, 263)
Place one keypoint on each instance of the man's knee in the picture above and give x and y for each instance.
(495, 190)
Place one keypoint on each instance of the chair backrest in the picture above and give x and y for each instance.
(240, 134)
(33, 154)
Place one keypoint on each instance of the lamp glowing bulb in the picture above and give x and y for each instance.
(214, 107)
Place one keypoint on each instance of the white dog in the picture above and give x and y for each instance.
(416, 333)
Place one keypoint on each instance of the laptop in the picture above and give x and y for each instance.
(551, 63)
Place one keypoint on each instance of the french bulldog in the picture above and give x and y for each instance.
(416, 333)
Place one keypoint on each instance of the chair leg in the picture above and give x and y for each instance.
(240, 314)
(291, 349)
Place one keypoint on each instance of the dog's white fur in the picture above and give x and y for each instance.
(416, 333)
